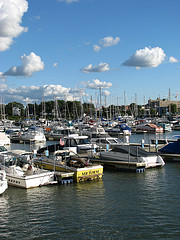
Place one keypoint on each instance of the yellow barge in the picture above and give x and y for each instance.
(63, 161)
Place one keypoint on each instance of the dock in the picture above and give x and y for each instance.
(64, 177)
(121, 165)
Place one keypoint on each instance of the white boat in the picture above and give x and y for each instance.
(4, 139)
(107, 142)
(34, 134)
(127, 153)
(3, 181)
(94, 132)
(21, 172)
(78, 143)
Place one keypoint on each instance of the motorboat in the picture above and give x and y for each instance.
(4, 139)
(3, 149)
(171, 151)
(68, 161)
(127, 153)
(150, 128)
(119, 129)
(33, 134)
(78, 143)
(166, 126)
(3, 182)
(107, 142)
(94, 132)
(21, 171)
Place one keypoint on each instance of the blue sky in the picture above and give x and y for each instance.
(70, 49)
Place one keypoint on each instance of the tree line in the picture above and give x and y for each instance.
(74, 110)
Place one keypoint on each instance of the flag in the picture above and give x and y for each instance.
(62, 141)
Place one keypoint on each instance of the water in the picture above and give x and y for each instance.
(121, 206)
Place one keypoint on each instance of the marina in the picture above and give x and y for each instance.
(102, 208)
(89, 120)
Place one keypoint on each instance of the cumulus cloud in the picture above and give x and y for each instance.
(109, 41)
(68, 1)
(102, 67)
(36, 93)
(97, 84)
(57, 90)
(30, 64)
(106, 42)
(173, 60)
(147, 57)
(11, 13)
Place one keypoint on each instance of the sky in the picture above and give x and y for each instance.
(100, 51)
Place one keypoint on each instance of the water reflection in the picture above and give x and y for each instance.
(4, 215)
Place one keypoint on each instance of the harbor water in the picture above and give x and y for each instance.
(122, 205)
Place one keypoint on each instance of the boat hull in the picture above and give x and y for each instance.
(31, 181)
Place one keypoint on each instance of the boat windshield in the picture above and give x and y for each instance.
(83, 141)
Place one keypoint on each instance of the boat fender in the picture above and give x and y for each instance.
(30, 167)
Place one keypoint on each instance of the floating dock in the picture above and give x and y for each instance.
(64, 177)
(121, 165)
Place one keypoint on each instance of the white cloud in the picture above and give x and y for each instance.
(109, 41)
(68, 1)
(30, 64)
(106, 42)
(55, 64)
(102, 67)
(147, 57)
(55, 90)
(97, 84)
(106, 93)
(11, 13)
(173, 60)
(96, 48)
(35, 93)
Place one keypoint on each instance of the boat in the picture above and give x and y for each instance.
(68, 161)
(21, 171)
(171, 151)
(57, 133)
(3, 182)
(119, 129)
(78, 143)
(150, 128)
(126, 154)
(166, 126)
(33, 134)
(107, 142)
(94, 132)
(4, 139)
(176, 127)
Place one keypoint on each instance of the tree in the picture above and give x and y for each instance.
(173, 108)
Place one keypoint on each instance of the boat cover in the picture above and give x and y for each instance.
(132, 150)
(173, 147)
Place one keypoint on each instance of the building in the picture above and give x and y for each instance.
(163, 106)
